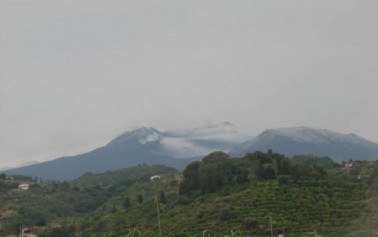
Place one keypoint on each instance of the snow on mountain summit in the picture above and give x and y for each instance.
(222, 131)
(141, 135)
(182, 143)
(304, 140)
(179, 147)
(312, 135)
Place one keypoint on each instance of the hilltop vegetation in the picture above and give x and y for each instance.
(56, 204)
(217, 196)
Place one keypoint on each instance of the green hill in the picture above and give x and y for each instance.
(218, 196)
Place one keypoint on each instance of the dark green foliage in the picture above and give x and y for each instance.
(64, 231)
(191, 176)
(183, 200)
(225, 215)
(40, 222)
(45, 203)
(33, 215)
(227, 195)
(298, 192)
(284, 179)
(215, 157)
(249, 224)
(268, 165)
(310, 160)
(216, 171)
(140, 198)
(212, 175)
(114, 208)
(22, 178)
(162, 198)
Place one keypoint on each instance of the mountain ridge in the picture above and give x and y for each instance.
(178, 148)
(305, 140)
(143, 145)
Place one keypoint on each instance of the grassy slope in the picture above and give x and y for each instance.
(331, 208)
(341, 205)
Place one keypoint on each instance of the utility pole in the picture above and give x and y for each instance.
(271, 225)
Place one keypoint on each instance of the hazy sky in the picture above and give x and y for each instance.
(76, 73)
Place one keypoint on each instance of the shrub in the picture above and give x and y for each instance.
(225, 215)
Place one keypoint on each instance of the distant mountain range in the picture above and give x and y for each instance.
(144, 145)
(22, 165)
(304, 140)
(177, 148)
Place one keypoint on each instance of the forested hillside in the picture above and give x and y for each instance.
(255, 195)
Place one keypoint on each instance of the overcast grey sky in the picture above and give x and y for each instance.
(76, 73)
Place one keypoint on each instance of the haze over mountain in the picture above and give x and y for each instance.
(33, 162)
(304, 140)
(179, 147)
(143, 145)
(76, 73)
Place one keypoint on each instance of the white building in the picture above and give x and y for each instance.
(25, 232)
(23, 187)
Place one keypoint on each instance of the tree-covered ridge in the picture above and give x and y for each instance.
(217, 196)
(302, 193)
(217, 170)
(51, 203)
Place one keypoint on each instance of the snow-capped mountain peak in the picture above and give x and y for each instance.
(305, 140)
(146, 137)
(141, 135)
(177, 148)
(182, 143)
(312, 135)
